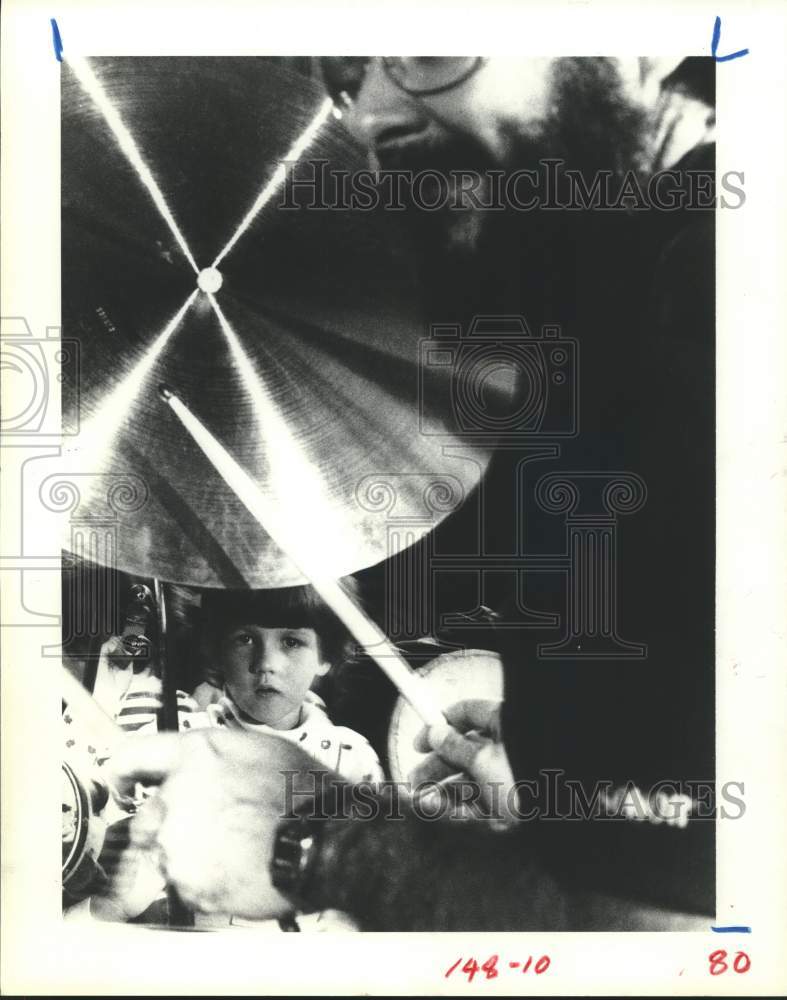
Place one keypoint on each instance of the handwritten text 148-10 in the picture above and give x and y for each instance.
(492, 967)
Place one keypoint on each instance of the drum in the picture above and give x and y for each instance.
(82, 834)
(455, 676)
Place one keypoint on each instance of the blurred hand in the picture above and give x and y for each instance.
(133, 879)
(212, 825)
(112, 652)
(117, 651)
(113, 676)
(469, 747)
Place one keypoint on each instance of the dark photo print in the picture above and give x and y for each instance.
(388, 600)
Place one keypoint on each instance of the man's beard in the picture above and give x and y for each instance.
(475, 255)
(437, 164)
(593, 126)
(449, 243)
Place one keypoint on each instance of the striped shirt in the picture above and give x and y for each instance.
(139, 707)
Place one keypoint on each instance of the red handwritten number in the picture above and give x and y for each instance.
(490, 967)
(470, 968)
(741, 963)
(453, 967)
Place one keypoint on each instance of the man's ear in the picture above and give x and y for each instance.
(643, 76)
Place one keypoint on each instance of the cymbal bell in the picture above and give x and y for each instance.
(300, 348)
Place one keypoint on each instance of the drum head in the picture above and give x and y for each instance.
(453, 677)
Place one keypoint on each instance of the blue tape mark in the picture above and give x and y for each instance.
(56, 40)
(732, 929)
(714, 45)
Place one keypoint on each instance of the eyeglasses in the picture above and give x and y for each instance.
(343, 76)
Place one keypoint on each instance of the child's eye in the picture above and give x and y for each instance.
(292, 642)
(243, 639)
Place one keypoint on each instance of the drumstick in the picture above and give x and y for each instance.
(373, 640)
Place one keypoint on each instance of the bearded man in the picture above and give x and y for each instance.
(604, 227)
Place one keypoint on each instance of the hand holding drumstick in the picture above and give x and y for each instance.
(471, 744)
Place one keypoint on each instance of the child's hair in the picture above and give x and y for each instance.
(288, 607)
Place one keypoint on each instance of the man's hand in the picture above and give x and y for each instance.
(113, 654)
(133, 879)
(212, 825)
(471, 744)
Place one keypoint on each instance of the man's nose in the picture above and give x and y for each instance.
(383, 113)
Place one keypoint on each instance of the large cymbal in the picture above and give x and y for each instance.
(307, 369)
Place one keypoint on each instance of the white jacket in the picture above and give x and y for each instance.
(336, 747)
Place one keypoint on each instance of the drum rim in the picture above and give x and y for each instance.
(424, 669)
(82, 823)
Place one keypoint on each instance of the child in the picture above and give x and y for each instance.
(266, 649)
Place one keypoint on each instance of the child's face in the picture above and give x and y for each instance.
(268, 671)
